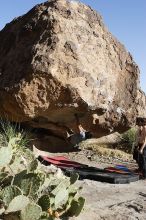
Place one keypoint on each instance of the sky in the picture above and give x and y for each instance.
(124, 19)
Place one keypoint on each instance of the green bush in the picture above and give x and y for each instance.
(129, 138)
(27, 190)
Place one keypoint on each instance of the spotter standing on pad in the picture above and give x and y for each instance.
(140, 150)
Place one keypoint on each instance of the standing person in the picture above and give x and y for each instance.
(140, 152)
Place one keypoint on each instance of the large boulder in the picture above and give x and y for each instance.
(59, 59)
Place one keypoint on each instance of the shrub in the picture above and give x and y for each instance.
(129, 138)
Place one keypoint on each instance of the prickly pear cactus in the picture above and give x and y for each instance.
(29, 192)
(9, 193)
(44, 202)
(17, 204)
(61, 198)
(31, 212)
(76, 206)
(73, 178)
(29, 183)
(5, 156)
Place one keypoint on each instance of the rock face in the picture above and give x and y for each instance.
(59, 59)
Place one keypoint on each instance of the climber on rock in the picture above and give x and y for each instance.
(82, 134)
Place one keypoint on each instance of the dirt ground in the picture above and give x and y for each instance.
(106, 201)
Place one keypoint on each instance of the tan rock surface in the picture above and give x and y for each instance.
(108, 201)
(60, 59)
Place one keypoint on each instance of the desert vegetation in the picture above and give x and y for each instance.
(28, 189)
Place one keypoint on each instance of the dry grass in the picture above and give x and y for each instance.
(106, 150)
(114, 153)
